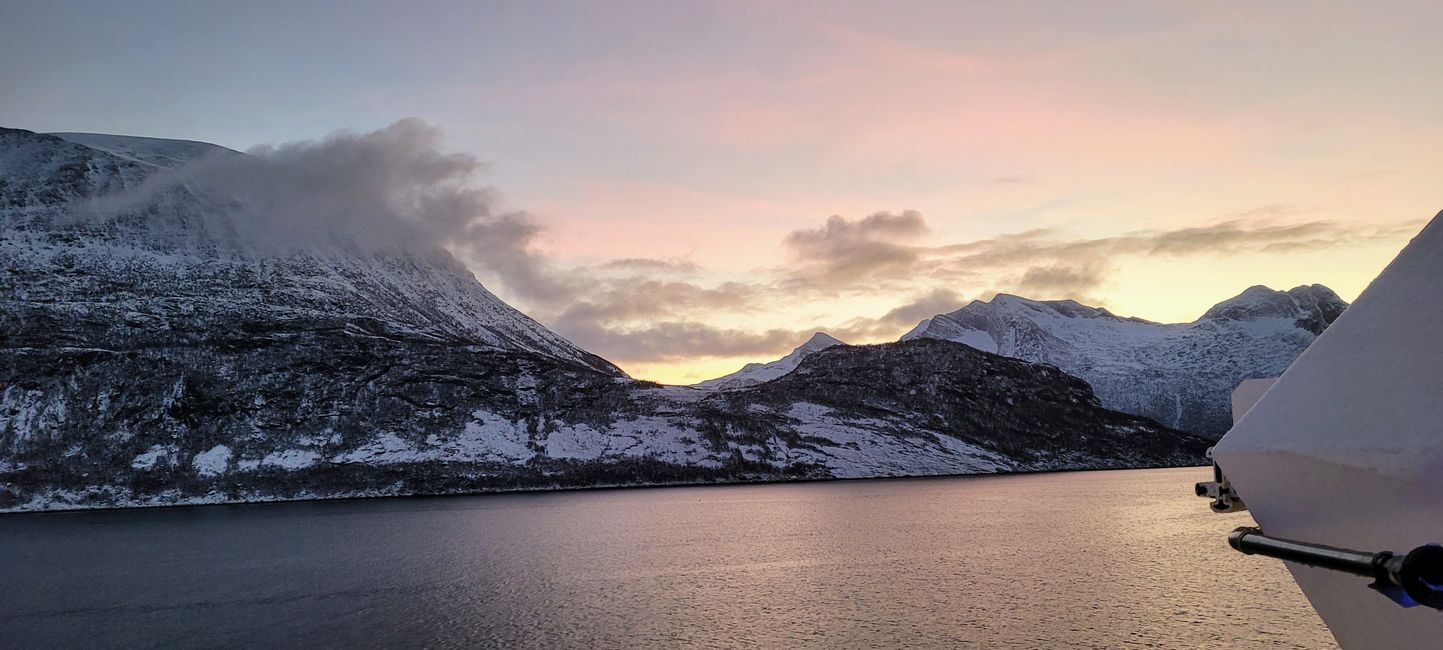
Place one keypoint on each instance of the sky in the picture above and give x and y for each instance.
(687, 187)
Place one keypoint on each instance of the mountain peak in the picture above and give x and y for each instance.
(756, 373)
(1313, 306)
(819, 341)
(1316, 291)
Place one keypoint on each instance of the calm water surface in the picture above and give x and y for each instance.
(1097, 560)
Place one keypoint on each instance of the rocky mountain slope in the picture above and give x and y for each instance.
(1178, 374)
(756, 373)
(153, 351)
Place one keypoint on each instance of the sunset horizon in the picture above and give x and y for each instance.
(863, 279)
(720, 324)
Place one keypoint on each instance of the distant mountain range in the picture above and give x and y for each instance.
(1181, 375)
(151, 353)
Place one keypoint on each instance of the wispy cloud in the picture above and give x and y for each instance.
(651, 264)
(672, 341)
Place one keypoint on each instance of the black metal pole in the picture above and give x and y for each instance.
(1253, 542)
(1414, 578)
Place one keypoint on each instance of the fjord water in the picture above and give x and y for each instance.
(1092, 559)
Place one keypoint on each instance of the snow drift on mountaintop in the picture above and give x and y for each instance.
(756, 373)
(159, 152)
(1181, 375)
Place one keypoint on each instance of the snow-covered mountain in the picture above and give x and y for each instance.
(156, 347)
(1178, 374)
(756, 373)
(175, 258)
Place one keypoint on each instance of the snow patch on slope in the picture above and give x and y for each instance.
(291, 459)
(153, 456)
(213, 462)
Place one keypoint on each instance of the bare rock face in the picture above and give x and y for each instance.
(152, 353)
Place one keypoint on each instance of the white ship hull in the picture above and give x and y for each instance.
(1346, 449)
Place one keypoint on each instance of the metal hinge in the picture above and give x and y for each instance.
(1220, 490)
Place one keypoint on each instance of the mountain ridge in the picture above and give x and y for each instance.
(1180, 374)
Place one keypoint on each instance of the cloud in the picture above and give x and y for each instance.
(881, 226)
(396, 189)
(638, 315)
(925, 306)
(649, 264)
(672, 341)
(841, 252)
(901, 318)
(1041, 263)
(635, 297)
(1049, 251)
(389, 189)
(1073, 281)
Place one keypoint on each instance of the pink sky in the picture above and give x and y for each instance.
(707, 132)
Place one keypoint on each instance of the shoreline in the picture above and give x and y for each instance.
(563, 489)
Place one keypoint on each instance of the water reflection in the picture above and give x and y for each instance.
(1104, 559)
